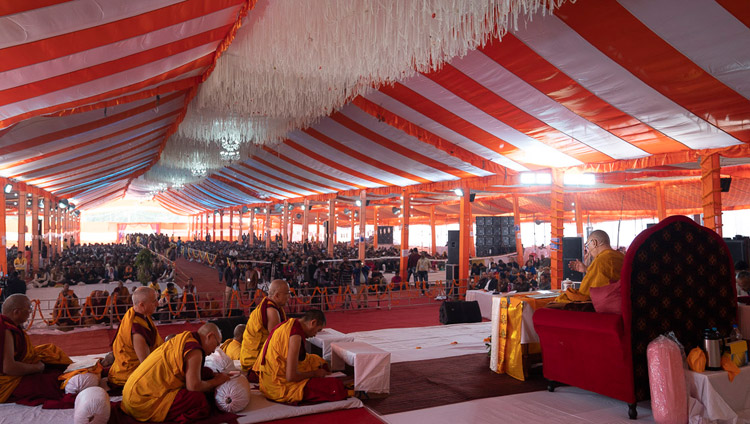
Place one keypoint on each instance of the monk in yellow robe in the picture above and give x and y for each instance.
(264, 318)
(168, 386)
(136, 337)
(604, 268)
(233, 346)
(287, 373)
(28, 374)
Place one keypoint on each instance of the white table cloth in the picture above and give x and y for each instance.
(723, 401)
(484, 299)
(325, 337)
(372, 366)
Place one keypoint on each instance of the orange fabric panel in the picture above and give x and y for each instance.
(392, 145)
(226, 179)
(448, 119)
(526, 64)
(101, 35)
(627, 41)
(484, 99)
(11, 7)
(291, 174)
(287, 182)
(425, 136)
(246, 175)
(332, 164)
(361, 156)
(740, 9)
(311, 170)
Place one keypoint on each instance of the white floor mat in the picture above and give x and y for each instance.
(261, 409)
(565, 405)
(420, 343)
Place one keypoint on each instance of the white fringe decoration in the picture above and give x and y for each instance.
(295, 61)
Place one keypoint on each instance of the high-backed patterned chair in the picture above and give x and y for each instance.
(677, 276)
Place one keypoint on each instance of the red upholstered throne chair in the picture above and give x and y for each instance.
(677, 276)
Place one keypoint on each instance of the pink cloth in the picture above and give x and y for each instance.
(669, 398)
(607, 299)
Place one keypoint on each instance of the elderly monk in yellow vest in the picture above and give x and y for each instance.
(264, 318)
(168, 386)
(136, 337)
(24, 378)
(604, 268)
(232, 346)
(287, 373)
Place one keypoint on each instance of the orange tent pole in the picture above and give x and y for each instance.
(331, 226)
(268, 227)
(3, 242)
(362, 223)
(432, 230)
(465, 236)
(21, 220)
(711, 183)
(557, 218)
(306, 221)
(405, 212)
(579, 217)
(34, 234)
(517, 225)
(661, 205)
(375, 224)
(285, 225)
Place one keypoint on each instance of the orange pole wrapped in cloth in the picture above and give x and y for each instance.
(256, 332)
(271, 368)
(126, 359)
(33, 382)
(153, 388)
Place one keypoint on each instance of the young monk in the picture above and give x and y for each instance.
(136, 337)
(24, 378)
(287, 373)
(261, 321)
(232, 346)
(167, 386)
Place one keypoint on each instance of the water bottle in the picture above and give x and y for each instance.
(735, 335)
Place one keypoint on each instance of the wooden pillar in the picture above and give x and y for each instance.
(711, 183)
(306, 221)
(433, 245)
(285, 225)
(579, 216)
(268, 226)
(661, 205)
(375, 224)
(557, 215)
(21, 220)
(362, 223)
(331, 226)
(35, 238)
(3, 242)
(405, 213)
(465, 236)
(517, 225)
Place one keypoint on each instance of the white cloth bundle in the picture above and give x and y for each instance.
(218, 361)
(81, 382)
(92, 407)
(234, 395)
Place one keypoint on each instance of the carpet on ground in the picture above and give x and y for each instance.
(437, 382)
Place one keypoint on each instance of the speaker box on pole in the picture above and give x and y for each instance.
(572, 250)
(472, 196)
(738, 249)
(453, 246)
(725, 183)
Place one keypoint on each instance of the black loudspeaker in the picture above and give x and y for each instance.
(725, 183)
(385, 235)
(572, 249)
(738, 249)
(453, 243)
(460, 312)
(451, 272)
(226, 325)
(472, 196)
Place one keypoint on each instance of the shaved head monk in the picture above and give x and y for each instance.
(287, 373)
(605, 268)
(167, 386)
(136, 337)
(23, 374)
(232, 346)
(261, 321)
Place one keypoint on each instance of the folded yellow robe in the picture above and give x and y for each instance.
(729, 366)
(697, 360)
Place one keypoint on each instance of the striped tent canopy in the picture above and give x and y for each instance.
(101, 98)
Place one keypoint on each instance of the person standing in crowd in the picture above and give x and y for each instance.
(411, 265)
(423, 268)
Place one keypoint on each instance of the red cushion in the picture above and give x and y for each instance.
(607, 299)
